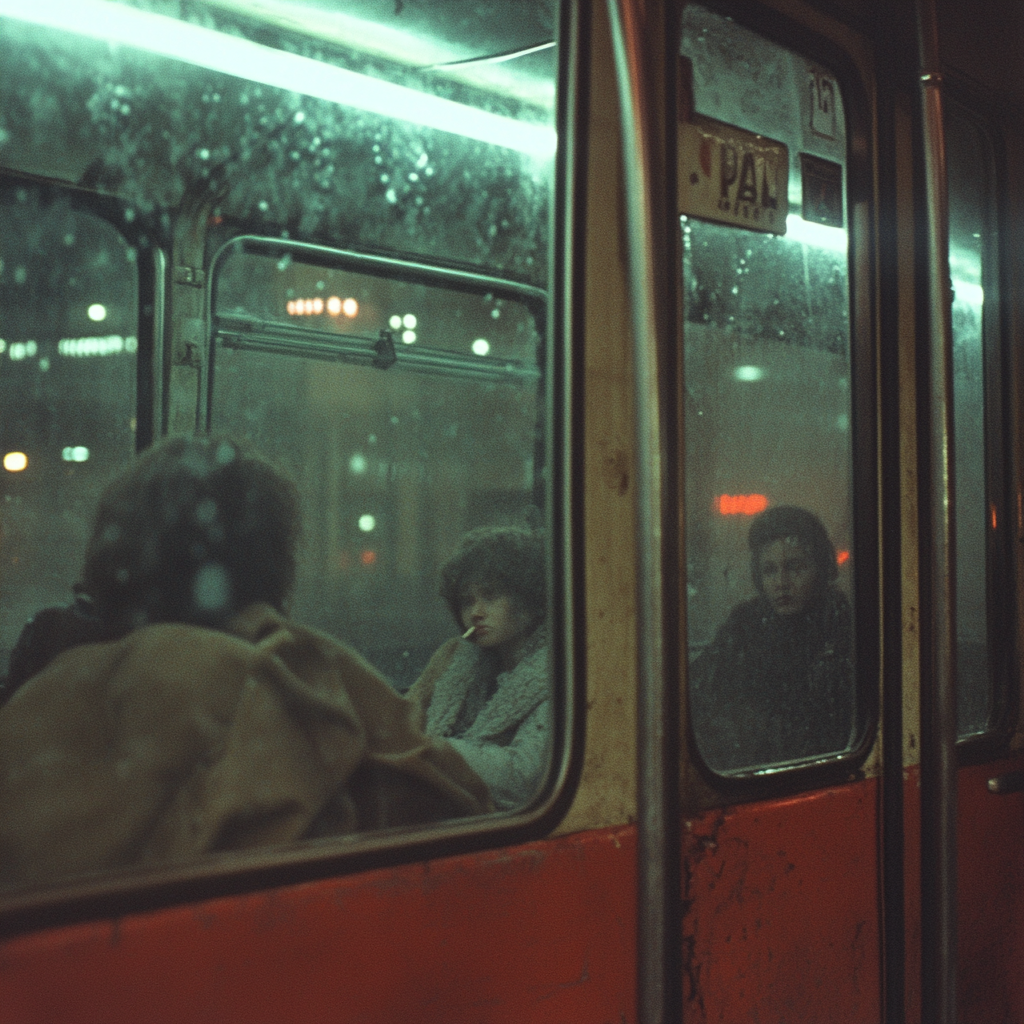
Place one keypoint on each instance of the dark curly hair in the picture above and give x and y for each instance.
(786, 521)
(196, 529)
(507, 559)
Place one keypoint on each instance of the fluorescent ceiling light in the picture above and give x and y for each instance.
(818, 235)
(967, 293)
(452, 57)
(748, 373)
(965, 263)
(230, 55)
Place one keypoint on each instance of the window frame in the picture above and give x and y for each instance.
(1000, 570)
(138, 890)
(702, 786)
(145, 238)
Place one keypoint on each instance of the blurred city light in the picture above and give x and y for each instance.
(748, 373)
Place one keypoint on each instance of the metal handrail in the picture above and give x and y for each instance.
(644, 45)
(938, 697)
(249, 333)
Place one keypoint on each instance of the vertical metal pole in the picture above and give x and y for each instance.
(938, 698)
(893, 804)
(646, 59)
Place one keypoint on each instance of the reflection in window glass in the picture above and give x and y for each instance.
(68, 315)
(409, 414)
(345, 124)
(768, 418)
(969, 239)
(409, 408)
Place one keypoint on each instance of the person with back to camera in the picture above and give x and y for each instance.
(488, 692)
(175, 710)
(776, 683)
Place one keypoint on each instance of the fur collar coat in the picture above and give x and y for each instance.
(506, 735)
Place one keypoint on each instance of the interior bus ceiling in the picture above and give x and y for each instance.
(500, 46)
(487, 53)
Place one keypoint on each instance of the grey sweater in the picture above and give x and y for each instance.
(508, 741)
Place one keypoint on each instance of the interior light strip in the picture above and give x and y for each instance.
(230, 55)
(818, 235)
(836, 240)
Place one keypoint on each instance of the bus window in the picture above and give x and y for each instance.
(373, 126)
(68, 316)
(349, 218)
(407, 411)
(972, 245)
(768, 410)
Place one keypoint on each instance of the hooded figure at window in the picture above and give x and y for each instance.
(174, 710)
(776, 684)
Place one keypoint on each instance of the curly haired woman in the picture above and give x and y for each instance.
(488, 692)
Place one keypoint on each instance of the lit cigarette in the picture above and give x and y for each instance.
(469, 632)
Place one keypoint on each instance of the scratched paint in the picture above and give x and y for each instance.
(780, 926)
(781, 911)
(780, 923)
(541, 932)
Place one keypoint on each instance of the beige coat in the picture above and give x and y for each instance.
(177, 741)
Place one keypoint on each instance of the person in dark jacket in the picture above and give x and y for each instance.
(776, 684)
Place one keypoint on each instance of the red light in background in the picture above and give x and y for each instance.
(368, 557)
(842, 557)
(741, 504)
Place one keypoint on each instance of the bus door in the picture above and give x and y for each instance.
(989, 822)
(781, 833)
(774, 377)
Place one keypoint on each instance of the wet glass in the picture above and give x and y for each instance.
(68, 370)
(971, 241)
(407, 411)
(409, 405)
(768, 410)
(364, 123)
